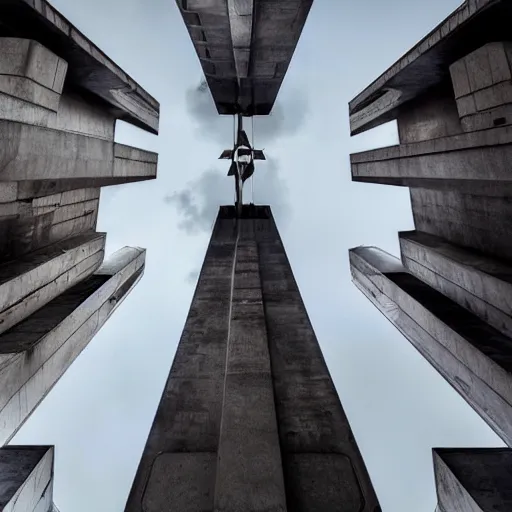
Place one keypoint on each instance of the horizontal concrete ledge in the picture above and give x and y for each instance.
(89, 68)
(455, 342)
(469, 27)
(481, 284)
(471, 160)
(34, 153)
(473, 479)
(36, 352)
(26, 478)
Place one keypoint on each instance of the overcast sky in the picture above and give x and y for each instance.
(99, 414)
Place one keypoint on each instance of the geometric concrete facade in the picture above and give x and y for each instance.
(60, 98)
(451, 295)
(249, 418)
(245, 48)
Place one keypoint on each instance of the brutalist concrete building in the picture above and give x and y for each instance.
(60, 98)
(451, 292)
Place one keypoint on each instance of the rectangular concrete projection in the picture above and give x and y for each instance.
(36, 352)
(245, 48)
(471, 355)
(473, 480)
(26, 478)
(249, 418)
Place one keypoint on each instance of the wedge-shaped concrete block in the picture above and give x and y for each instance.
(473, 480)
(472, 356)
(29, 283)
(481, 284)
(26, 478)
(36, 352)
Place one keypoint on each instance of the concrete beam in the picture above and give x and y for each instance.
(245, 48)
(473, 162)
(35, 153)
(479, 222)
(89, 68)
(26, 478)
(28, 283)
(473, 480)
(471, 26)
(471, 355)
(481, 284)
(36, 352)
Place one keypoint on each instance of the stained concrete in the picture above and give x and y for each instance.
(249, 418)
(473, 480)
(471, 355)
(245, 48)
(471, 26)
(26, 478)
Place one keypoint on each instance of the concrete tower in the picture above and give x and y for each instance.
(249, 418)
(60, 97)
(451, 293)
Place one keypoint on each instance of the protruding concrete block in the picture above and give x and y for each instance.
(481, 284)
(29, 283)
(473, 480)
(37, 351)
(482, 82)
(26, 478)
(31, 81)
(472, 356)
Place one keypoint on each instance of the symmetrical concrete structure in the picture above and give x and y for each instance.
(245, 48)
(60, 98)
(451, 295)
(249, 418)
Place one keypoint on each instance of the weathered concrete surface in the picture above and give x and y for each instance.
(26, 478)
(36, 352)
(472, 356)
(473, 480)
(481, 284)
(245, 48)
(28, 283)
(479, 222)
(475, 162)
(249, 418)
(471, 26)
(89, 68)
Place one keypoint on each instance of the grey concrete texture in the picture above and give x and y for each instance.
(26, 478)
(470, 354)
(89, 68)
(474, 24)
(40, 348)
(249, 418)
(479, 283)
(245, 48)
(473, 480)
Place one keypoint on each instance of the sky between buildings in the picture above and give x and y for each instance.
(100, 413)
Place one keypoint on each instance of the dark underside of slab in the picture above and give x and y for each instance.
(431, 67)
(249, 87)
(90, 71)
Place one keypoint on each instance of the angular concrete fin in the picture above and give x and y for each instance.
(36, 352)
(26, 478)
(474, 480)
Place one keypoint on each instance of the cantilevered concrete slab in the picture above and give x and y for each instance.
(245, 48)
(471, 355)
(36, 352)
(473, 480)
(427, 65)
(89, 69)
(249, 419)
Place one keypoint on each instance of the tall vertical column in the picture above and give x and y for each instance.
(249, 418)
